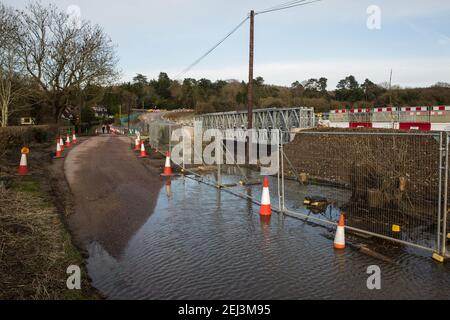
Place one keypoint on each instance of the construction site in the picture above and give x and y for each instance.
(195, 189)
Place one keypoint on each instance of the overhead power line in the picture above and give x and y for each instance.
(287, 5)
(212, 49)
(281, 6)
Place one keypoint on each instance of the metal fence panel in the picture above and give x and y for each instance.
(159, 133)
(389, 184)
(395, 179)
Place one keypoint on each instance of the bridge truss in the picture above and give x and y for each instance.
(286, 120)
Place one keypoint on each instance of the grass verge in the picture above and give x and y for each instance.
(35, 248)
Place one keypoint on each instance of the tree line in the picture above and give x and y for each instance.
(205, 96)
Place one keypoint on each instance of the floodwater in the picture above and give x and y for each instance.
(201, 243)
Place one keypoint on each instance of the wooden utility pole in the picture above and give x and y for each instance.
(390, 89)
(250, 83)
(250, 70)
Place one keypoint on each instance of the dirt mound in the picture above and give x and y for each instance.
(384, 170)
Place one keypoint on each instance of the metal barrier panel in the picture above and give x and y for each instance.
(440, 116)
(395, 181)
(445, 224)
(360, 116)
(159, 133)
(414, 115)
(339, 116)
(390, 185)
(385, 116)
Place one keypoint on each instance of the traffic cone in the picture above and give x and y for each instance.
(265, 209)
(61, 143)
(74, 137)
(58, 154)
(137, 145)
(23, 166)
(167, 167)
(339, 239)
(143, 152)
(68, 142)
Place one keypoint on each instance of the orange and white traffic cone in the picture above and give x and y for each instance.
(265, 209)
(58, 154)
(339, 239)
(68, 142)
(74, 137)
(137, 145)
(143, 152)
(61, 143)
(167, 167)
(23, 166)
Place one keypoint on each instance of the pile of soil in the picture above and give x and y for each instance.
(392, 172)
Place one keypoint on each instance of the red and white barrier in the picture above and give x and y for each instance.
(384, 125)
(365, 110)
(360, 124)
(339, 111)
(425, 123)
(440, 126)
(344, 125)
(390, 109)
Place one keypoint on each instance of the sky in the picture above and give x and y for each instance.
(330, 38)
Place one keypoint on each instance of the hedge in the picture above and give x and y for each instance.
(11, 137)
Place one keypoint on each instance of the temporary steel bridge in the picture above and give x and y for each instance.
(285, 119)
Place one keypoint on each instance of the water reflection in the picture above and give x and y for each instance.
(265, 227)
(207, 244)
(168, 186)
(110, 209)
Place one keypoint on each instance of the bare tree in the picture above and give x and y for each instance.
(11, 88)
(63, 56)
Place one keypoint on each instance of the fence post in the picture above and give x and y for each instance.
(438, 240)
(283, 208)
(184, 151)
(219, 175)
(278, 165)
(444, 219)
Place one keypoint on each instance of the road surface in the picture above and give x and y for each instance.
(114, 192)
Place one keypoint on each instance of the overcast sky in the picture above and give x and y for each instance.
(328, 38)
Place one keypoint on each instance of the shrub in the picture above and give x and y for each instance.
(11, 137)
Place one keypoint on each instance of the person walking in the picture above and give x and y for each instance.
(108, 128)
(103, 129)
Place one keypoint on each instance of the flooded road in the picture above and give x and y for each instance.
(201, 243)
